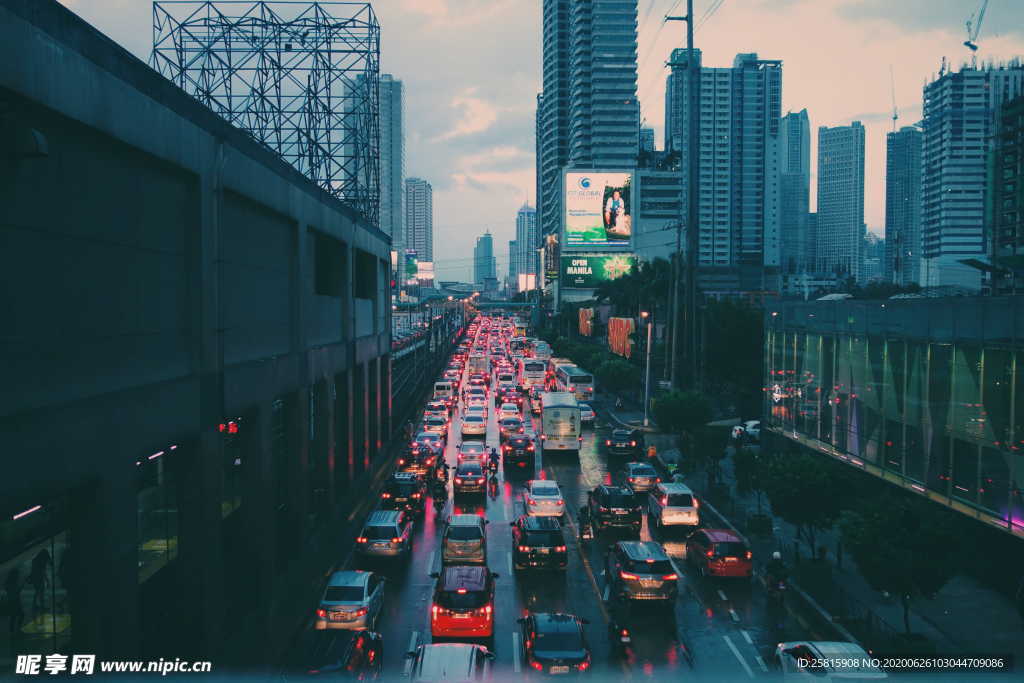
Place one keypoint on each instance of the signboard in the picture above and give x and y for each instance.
(598, 209)
(620, 336)
(586, 271)
(550, 259)
(425, 273)
(411, 269)
(586, 321)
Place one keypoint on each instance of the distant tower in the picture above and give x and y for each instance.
(841, 199)
(483, 259)
(903, 206)
(392, 161)
(794, 190)
(419, 218)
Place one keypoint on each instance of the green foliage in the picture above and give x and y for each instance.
(618, 375)
(733, 351)
(902, 546)
(805, 492)
(682, 411)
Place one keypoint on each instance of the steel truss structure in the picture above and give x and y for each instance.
(300, 77)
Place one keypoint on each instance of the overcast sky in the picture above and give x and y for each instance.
(472, 72)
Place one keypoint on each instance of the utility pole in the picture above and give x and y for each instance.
(647, 379)
(692, 197)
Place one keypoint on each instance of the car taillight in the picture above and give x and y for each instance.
(530, 447)
(560, 549)
(632, 443)
(430, 461)
(669, 577)
(627, 575)
(434, 610)
(361, 612)
(458, 480)
(657, 480)
(584, 665)
(696, 504)
(322, 613)
(624, 632)
(537, 665)
(396, 539)
(481, 480)
(710, 553)
(749, 555)
(524, 549)
(401, 461)
(532, 501)
(602, 509)
(416, 495)
(385, 495)
(631, 479)
(361, 539)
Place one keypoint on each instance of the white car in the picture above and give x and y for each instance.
(476, 400)
(474, 425)
(587, 414)
(543, 498)
(480, 410)
(826, 661)
(352, 601)
(508, 410)
(672, 504)
(437, 425)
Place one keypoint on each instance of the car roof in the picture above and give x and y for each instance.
(638, 465)
(675, 487)
(722, 536)
(535, 523)
(465, 520)
(643, 550)
(455, 577)
(349, 578)
(472, 446)
(622, 432)
(610, 490)
(556, 622)
(518, 437)
(383, 517)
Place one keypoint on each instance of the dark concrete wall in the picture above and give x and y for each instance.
(158, 274)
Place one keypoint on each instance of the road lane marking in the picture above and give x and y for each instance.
(721, 594)
(760, 662)
(430, 561)
(607, 589)
(746, 667)
(732, 614)
(746, 636)
(509, 557)
(413, 638)
(516, 665)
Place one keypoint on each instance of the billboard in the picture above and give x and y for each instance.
(550, 259)
(586, 321)
(620, 336)
(411, 268)
(586, 271)
(598, 209)
(425, 273)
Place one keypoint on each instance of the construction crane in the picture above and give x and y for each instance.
(895, 112)
(974, 27)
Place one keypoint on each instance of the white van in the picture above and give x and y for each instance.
(672, 503)
(444, 391)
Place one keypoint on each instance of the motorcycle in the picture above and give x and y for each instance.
(585, 524)
(492, 486)
(619, 636)
(776, 589)
(492, 466)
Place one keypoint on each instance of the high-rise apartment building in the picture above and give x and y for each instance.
(1006, 199)
(513, 266)
(419, 218)
(840, 229)
(740, 110)
(527, 240)
(646, 139)
(903, 206)
(483, 260)
(959, 129)
(392, 160)
(552, 129)
(794, 190)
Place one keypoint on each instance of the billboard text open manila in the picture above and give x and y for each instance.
(598, 209)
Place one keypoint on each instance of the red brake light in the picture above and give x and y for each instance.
(385, 495)
(627, 575)
(537, 665)
(401, 461)
(433, 611)
(322, 613)
(461, 591)
(669, 577)
(481, 480)
(524, 549)
(632, 443)
(749, 555)
(710, 553)
(458, 480)
(396, 539)
(560, 549)
(361, 539)
(584, 665)
(607, 442)
(664, 500)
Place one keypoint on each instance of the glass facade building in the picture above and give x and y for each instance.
(925, 393)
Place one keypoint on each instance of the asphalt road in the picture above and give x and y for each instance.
(718, 630)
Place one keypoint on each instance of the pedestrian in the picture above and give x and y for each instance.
(12, 600)
(38, 578)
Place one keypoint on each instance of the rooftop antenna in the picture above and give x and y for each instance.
(895, 112)
(973, 29)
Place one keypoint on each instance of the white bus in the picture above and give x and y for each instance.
(534, 372)
(560, 422)
(571, 378)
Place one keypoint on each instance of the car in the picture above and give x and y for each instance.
(480, 410)
(431, 438)
(587, 414)
(386, 533)
(404, 491)
(351, 600)
(464, 540)
(826, 661)
(469, 479)
(344, 654)
(625, 442)
(538, 542)
(640, 570)
(518, 453)
(554, 643)
(471, 451)
(641, 477)
(506, 377)
(476, 400)
(536, 406)
(543, 497)
(510, 426)
(463, 603)
(439, 408)
(614, 506)
(719, 552)
(671, 504)
(436, 425)
(514, 397)
(430, 412)
(460, 662)
(474, 424)
(422, 458)
(508, 410)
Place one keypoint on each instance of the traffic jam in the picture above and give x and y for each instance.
(526, 534)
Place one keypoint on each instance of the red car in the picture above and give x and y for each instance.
(463, 605)
(719, 552)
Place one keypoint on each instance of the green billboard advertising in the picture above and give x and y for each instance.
(587, 271)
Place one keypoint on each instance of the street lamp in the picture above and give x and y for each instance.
(647, 375)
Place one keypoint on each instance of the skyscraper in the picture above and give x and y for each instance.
(513, 266)
(646, 139)
(483, 260)
(527, 241)
(903, 206)
(959, 129)
(794, 190)
(419, 218)
(392, 161)
(841, 198)
(1006, 199)
(553, 114)
(740, 109)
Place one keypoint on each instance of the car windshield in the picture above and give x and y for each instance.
(683, 500)
(644, 471)
(379, 533)
(464, 533)
(402, 488)
(545, 491)
(621, 435)
(470, 471)
(428, 437)
(343, 594)
(473, 418)
(730, 549)
(559, 641)
(619, 500)
(650, 566)
(467, 600)
(543, 538)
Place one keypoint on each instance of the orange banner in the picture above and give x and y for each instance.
(620, 336)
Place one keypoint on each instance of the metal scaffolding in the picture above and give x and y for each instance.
(300, 77)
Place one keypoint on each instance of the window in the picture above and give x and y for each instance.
(328, 265)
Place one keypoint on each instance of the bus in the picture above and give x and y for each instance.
(571, 378)
(552, 369)
(478, 362)
(533, 373)
(520, 329)
(560, 422)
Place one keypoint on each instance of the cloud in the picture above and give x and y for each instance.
(477, 115)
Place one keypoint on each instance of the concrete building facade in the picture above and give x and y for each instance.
(794, 191)
(392, 160)
(198, 371)
(903, 206)
(484, 267)
(419, 218)
(552, 125)
(527, 241)
(840, 226)
(1006, 200)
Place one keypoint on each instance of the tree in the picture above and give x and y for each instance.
(805, 492)
(618, 375)
(751, 473)
(682, 411)
(902, 547)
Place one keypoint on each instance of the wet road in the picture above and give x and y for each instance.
(717, 630)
